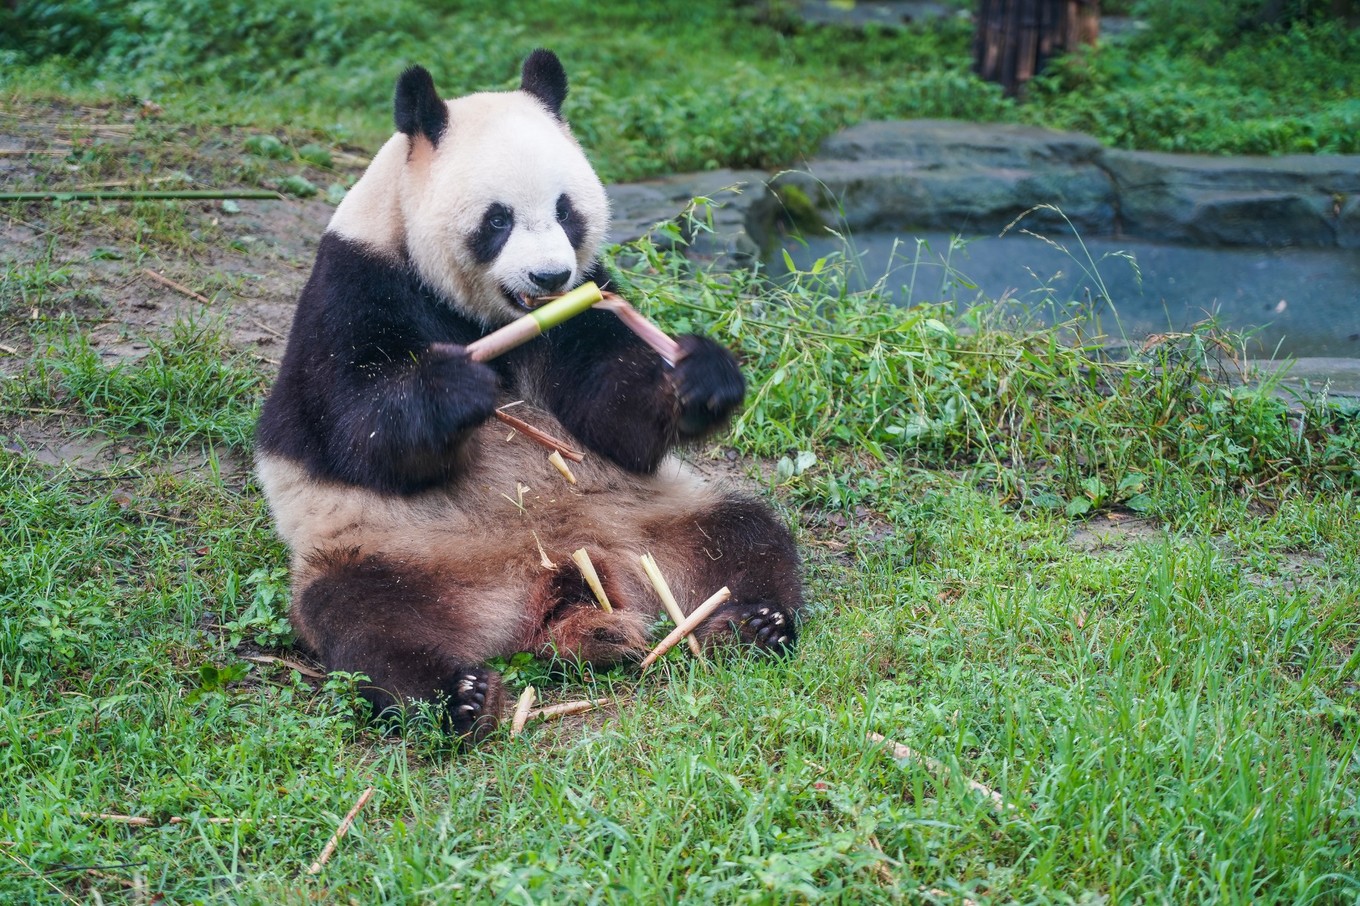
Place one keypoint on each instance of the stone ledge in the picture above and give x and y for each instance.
(970, 177)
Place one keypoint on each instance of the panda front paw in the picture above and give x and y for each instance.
(764, 626)
(466, 390)
(473, 700)
(708, 383)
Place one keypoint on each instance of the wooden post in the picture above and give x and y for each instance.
(1015, 38)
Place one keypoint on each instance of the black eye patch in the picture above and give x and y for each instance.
(573, 224)
(498, 222)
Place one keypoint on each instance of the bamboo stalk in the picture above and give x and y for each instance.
(526, 701)
(177, 287)
(95, 195)
(522, 330)
(638, 323)
(581, 558)
(701, 613)
(540, 437)
(663, 591)
(334, 841)
(941, 771)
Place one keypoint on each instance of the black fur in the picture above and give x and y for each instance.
(351, 621)
(360, 397)
(498, 222)
(573, 224)
(544, 78)
(418, 110)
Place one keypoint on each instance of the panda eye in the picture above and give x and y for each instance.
(498, 218)
(564, 210)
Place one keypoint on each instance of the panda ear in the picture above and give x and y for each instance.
(419, 111)
(544, 78)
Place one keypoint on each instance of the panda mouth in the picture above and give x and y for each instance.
(521, 300)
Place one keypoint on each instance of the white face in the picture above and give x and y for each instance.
(506, 208)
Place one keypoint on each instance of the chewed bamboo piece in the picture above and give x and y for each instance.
(581, 558)
(526, 701)
(566, 709)
(563, 308)
(701, 613)
(941, 771)
(649, 333)
(539, 437)
(663, 591)
(560, 464)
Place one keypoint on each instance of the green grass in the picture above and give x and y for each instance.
(735, 84)
(1120, 589)
(1173, 717)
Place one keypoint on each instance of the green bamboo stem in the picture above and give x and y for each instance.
(99, 195)
(522, 330)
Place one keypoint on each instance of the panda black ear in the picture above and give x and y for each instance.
(544, 78)
(419, 111)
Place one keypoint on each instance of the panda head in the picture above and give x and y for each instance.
(498, 203)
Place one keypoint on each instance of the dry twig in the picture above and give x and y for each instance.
(941, 771)
(334, 841)
(177, 287)
(291, 665)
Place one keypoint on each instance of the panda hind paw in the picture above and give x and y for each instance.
(764, 626)
(473, 699)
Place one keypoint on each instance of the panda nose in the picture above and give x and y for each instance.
(551, 281)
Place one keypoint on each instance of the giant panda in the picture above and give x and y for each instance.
(425, 537)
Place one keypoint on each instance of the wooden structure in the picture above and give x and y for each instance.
(1015, 38)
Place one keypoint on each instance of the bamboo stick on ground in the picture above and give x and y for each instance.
(701, 613)
(138, 821)
(565, 709)
(581, 558)
(663, 591)
(941, 771)
(177, 287)
(526, 701)
(334, 841)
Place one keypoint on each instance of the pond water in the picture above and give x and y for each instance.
(1297, 303)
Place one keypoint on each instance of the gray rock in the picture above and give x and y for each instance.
(940, 174)
(715, 232)
(979, 178)
(1253, 201)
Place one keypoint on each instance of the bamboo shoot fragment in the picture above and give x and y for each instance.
(560, 464)
(701, 613)
(526, 701)
(565, 709)
(582, 560)
(663, 591)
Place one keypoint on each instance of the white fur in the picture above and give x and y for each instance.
(500, 147)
